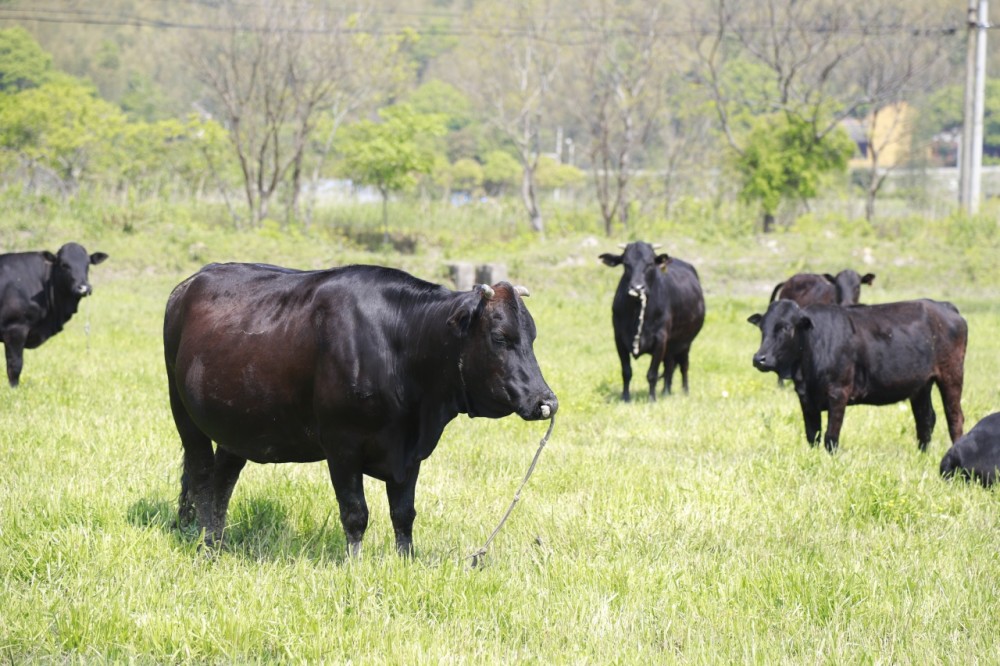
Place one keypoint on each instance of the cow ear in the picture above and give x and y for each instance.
(97, 258)
(830, 278)
(48, 256)
(755, 319)
(868, 278)
(611, 259)
(662, 260)
(462, 314)
(804, 324)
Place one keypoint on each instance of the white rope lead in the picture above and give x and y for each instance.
(477, 556)
(641, 293)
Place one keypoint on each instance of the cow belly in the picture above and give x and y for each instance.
(261, 436)
(891, 378)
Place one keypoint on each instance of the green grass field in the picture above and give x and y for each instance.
(697, 529)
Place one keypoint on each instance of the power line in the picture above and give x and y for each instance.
(97, 17)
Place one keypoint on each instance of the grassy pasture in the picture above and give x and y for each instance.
(696, 529)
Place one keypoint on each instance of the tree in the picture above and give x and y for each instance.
(270, 76)
(509, 72)
(388, 154)
(795, 54)
(781, 159)
(23, 63)
(500, 172)
(367, 67)
(623, 73)
(61, 130)
(890, 74)
(552, 174)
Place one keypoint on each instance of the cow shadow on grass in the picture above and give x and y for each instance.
(257, 528)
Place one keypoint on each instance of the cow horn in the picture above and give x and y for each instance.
(657, 246)
(522, 291)
(622, 245)
(487, 290)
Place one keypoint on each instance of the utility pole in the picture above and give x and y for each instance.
(971, 152)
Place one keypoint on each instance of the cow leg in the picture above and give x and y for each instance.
(682, 361)
(401, 510)
(812, 418)
(653, 374)
(14, 339)
(669, 365)
(835, 419)
(951, 396)
(923, 414)
(348, 484)
(623, 356)
(195, 503)
(227, 470)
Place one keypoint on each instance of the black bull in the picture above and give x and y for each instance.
(867, 354)
(658, 309)
(39, 293)
(360, 366)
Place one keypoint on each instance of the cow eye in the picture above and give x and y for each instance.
(500, 338)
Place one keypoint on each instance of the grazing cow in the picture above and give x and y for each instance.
(811, 288)
(977, 454)
(866, 354)
(658, 310)
(360, 366)
(39, 293)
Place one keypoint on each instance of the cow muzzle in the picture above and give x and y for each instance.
(84, 290)
(763, 363)
(545, 409)
(636, 290)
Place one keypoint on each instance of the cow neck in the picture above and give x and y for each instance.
(448, 361)
(466, 406)
(59, 309)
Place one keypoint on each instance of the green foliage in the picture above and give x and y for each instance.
(943, 111)
(143, 99)
(388, 154)
(466, 174)
(23, 63)
(783, 158)
(444, 99)
(551, 174)
(61, 126)
(501, 171)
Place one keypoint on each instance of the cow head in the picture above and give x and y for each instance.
(70, 267)
(642, 265)
(497, 365)
(848, 285)
(781, 328)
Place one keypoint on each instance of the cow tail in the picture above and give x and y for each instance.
(774, 293)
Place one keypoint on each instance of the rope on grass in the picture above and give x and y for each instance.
(477, 556)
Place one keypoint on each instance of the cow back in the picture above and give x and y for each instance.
(888, 350)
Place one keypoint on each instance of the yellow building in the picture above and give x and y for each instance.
(889, 132)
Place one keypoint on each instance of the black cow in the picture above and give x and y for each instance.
(360, 366)
(866, 354)
(39, 293)
(977, 454)
(812, 288)
(658, 310)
